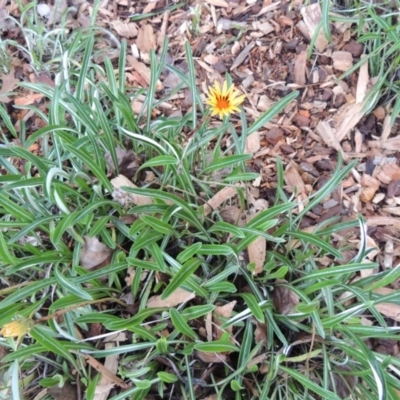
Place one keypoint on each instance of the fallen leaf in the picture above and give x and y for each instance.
(210, 357)
(257, 250)
(260, 333)
(293, 179)
(109, 376)
(221, 315)
(94, 253)
(8, 84)
(253, 143)
(284, 299)
(67, 392)
(127, 161)
(108, 379)
(179, 296)
(28, 99)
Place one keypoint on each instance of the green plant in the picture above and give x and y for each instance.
(376, 26)
(295, 331)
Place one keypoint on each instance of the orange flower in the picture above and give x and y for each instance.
(19, 327)
(224, 101)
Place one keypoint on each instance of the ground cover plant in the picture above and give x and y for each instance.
(140, 259)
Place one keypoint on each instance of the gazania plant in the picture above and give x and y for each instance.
(125, 250)
(224, 101)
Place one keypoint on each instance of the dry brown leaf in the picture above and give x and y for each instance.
(94, 253)
(390, 310)
(210, 357)
(108, 380)
(8, 84)
(260, 333)
(105, 372)
(124, 29)
(253, 143)
(284, 299)
(146, 40)
(257, 360)
(300, 68)
(28, 99)
(257, 250)
(369, 186)
(293, 179)
(312, 16)
(67, 392)
(127, 161)
(177, 297)
(221, 314)
(231, 214)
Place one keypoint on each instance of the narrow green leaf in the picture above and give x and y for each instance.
(226, 162)
(272, 112)
(160, 160)
(180, 324)
(69, 286)
(167, 377)
(225, 227)
(309, 384)
(316, 241)
(189, 252)
(252, 303)
(195, 312)
(158, 225)
(51, 344)
(180, 278)
(216, 347)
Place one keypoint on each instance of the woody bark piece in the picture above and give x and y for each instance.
(223, 195)
(300, 69)
(126, 198)
(362, 83)
(342, 60)
(312, 16)
(143, 70)
(327, 134)
(242, 56)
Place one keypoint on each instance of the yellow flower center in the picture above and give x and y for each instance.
(222, 102)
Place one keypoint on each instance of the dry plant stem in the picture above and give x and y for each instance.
(85, 303)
